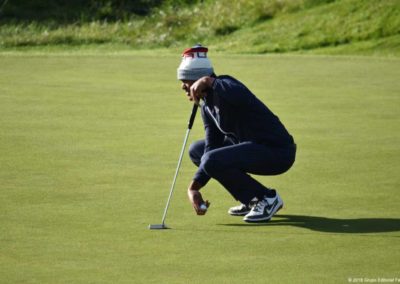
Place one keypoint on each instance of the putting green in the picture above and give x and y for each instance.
(89, 146)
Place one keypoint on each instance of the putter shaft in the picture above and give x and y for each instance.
(190, 124)
(175, 176)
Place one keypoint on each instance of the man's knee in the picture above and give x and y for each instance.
(211, 164)
(196, 151)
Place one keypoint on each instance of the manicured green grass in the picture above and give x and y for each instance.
(89, 146)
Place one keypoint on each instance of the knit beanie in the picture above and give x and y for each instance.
(195, 64)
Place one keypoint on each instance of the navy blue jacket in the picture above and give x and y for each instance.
(233, 111)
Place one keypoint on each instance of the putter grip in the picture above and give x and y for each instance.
(192, 116)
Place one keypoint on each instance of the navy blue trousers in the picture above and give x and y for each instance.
(232, 164)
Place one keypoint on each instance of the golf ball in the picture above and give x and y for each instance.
(203, 207)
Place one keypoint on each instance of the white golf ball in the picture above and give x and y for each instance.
(203, 207)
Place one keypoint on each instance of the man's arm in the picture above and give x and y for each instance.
(226, 87)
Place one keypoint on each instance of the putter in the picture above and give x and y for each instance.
(190, 124)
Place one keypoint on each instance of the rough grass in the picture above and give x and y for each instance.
(89, 145)
(343, 23)
(236, 26)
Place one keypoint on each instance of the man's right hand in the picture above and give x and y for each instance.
(196, 199)
(199, 88)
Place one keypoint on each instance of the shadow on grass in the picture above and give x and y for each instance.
(331, 225)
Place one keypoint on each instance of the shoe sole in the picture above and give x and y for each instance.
(239, 214)
(263, 220)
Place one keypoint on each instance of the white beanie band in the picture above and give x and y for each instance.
(195, 64)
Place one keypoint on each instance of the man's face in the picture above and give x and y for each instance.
(186, 84)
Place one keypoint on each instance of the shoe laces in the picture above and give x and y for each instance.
(259, 207)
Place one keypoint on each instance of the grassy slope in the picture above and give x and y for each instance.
(342, 26)
(89, 145)
(346, 24)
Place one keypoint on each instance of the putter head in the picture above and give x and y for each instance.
(157, 227)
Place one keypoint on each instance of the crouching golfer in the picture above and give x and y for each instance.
(242, 137)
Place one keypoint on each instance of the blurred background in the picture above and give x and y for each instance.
(258, 26)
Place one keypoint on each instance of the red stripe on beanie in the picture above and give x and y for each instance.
(191, 50)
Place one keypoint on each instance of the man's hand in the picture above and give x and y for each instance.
(196, 199)
(199, 88)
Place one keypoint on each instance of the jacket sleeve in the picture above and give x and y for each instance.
(232, 91)
(213, 139)
(213, 136)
